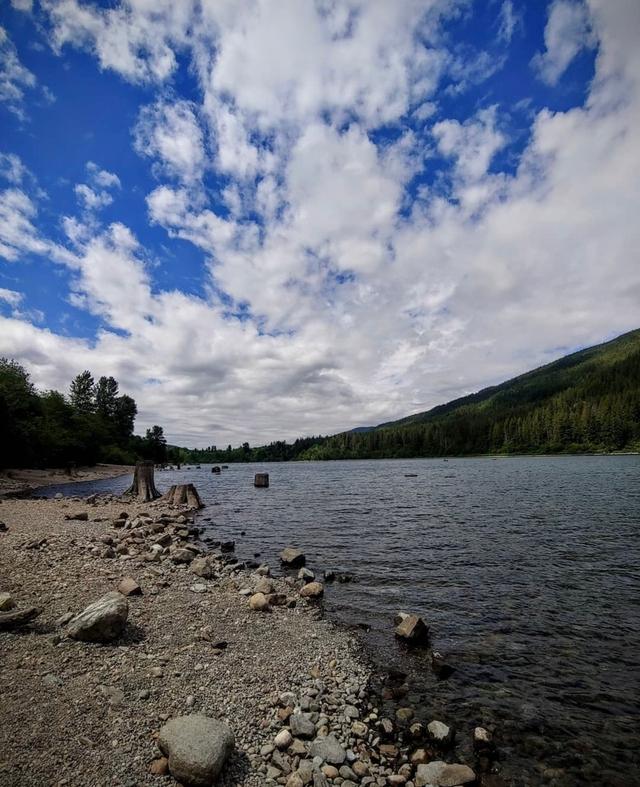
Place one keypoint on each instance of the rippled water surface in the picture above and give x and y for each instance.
(526, 569)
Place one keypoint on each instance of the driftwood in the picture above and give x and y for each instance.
(183, 494)
(143, 487)
(19, 617)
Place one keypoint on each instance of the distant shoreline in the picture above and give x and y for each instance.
(17, 482)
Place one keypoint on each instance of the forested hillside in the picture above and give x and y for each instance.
(587, 401)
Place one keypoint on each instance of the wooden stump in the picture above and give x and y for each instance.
(261, 479)
(183, 494)
(143, 487)
(215, 469)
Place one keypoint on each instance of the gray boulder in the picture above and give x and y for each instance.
(292, 557)
(102, 621)
(197, 748)
(329, 750)
(442, 774)
(301, 726)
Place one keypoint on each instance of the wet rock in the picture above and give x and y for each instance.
(440, 733)
(441, 774)
(441, 668)
(183, 556)
(329, 750)
(196, 747)
(306, 575)
(312, 590)
(227, 546)
(102, 621)
(129, 587)
(412, 629)
(292, 557)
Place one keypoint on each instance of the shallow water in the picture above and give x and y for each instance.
(526, 569)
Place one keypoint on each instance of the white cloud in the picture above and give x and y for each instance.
(328, 297)
(14, 77)
(567, 33)
(90, 199)
(96, 196)
(23, 5)
(11, 297)
(510, 21)
(169, 131)
(12, 169)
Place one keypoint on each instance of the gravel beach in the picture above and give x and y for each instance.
(204, 636)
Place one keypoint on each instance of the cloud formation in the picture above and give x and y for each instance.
(364, 254)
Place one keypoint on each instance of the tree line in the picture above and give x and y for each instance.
(91, 423)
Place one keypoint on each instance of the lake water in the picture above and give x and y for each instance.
(526, 569)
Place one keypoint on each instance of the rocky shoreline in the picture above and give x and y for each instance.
(21, 482)
(203, 636)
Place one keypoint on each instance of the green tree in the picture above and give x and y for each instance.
(156, 444)
(82, 393)
(106, 394)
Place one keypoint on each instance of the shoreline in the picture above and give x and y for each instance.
(91, 713)
(24, 481)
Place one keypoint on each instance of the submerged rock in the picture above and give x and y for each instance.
(196, 747)
(102, 621)
(412, 629)
(292, 557)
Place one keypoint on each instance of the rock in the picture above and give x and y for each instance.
(18, 617)
(329, 750)
(283, 739)
(440, 667)
(228, 546)
(295, 780)
(330, 771)
(114, 695)
(306, 575)
(58, 496)
(129, 587)
(81, 516)
(264, 586)
(359, 729)
(159, 767)
(52, 680)
(301, 726)
(412, 629)
(292, 557)
(196, 747)
(6, 602)
(102, 621)
(312, 590)
(182, 556)
(481, 737)
(440, 733)
(259, 602)
(64, 619)
(404, 715)
(202, 567)
(441, 774)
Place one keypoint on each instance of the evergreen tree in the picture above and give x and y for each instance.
(82, 393)
(106, 394)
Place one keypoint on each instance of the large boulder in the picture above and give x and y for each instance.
(102, 621)
(196, 747)
(328, 749)
(292, 557)
(412, 629)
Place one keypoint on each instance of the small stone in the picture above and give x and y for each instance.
(183, 556)
(52, 680)
(264, 585)
(329, 750)
(301, 726)
(259, 602)
(306, 575)
(330, 771)
(292, 557)
(129, 587)
(64, 619)
(144, 694)
(159, 767)
(6, 602)
(283, 739)
(157, 672)
(359, 729)
(403, 715)
(312, 590)
(440, 733)
(80, 517)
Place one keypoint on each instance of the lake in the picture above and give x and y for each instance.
(527, 570)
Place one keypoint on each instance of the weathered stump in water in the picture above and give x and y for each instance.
(215, 469)
(261, 479)
(183, 494)
(143, 487)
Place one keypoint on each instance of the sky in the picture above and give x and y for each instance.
(276, 218)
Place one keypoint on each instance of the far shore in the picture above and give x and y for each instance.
(23, 481)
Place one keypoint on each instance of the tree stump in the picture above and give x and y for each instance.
(143, 487)
(261, 479)
(183, 494)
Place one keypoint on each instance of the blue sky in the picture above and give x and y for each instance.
(274, 219)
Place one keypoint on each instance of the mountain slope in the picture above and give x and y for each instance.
(586, 401)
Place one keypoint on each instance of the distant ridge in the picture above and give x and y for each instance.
(586, 401)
